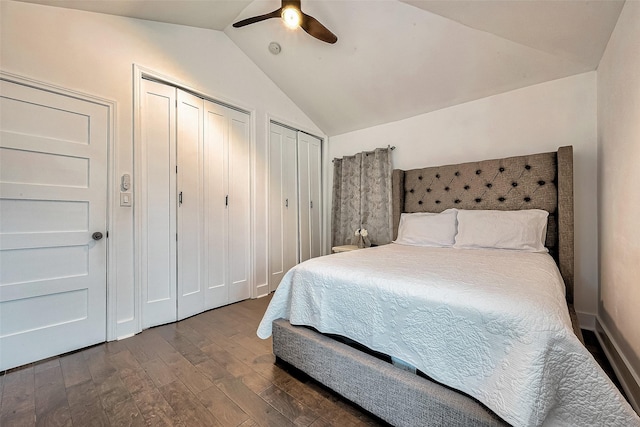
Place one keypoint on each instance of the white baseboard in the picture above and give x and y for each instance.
(629, 379)
(586, 321)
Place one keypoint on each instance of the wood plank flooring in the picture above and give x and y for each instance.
(208, 370)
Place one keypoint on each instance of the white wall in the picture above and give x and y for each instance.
(534, 119)
(619, 185)
(95, 53)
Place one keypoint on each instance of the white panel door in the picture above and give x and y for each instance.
(309, 181)
(227, 205)
(190, 218)
(239, 206)
(53, 197)
(304, 199)
(283, 203)
(216, 169)
(157, 203)
(315, 194)
(195, 220)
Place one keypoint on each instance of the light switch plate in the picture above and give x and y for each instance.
(126, 199)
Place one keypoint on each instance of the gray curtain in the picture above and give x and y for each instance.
(362, 197)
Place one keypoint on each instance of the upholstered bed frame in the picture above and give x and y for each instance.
(538, 181)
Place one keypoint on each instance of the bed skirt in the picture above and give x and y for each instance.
(398, 397)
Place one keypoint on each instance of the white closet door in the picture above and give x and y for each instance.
(190, 126)
(283, 207)
(304, 198)
(216, 131)
(290, 217)
(196, 212)
(315, 195)
(239, 206)
(157, 203)
(227, 204)
(309, 178)
(53, 197)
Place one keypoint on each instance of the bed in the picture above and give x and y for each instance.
(342, 317)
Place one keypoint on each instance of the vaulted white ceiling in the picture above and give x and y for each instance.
(397, 59)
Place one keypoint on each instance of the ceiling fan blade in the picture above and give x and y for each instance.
(253, 20)
(314, 28)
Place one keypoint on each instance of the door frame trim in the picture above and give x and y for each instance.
(111, 261)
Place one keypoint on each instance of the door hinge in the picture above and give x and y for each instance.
(176, 237)
(176, 169)
(107, 234)
(286, 203)
(311, 203)
(180, 199)
(226, 200)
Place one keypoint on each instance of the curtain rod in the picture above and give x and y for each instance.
(389, 147)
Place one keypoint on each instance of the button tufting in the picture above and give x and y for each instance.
(411, 191)
(514, 184)
(457, 174)
(478, 172)
(466, 187)
(527, 199)
(438, 175)
(420, 177)
(428, 190)
(527, 167)
(437, 202)
(501, 169)
(419, 202)
(446, 188)
(541, 183)
(478, 200)
(489, 185)
(456, 201)
(501, 199)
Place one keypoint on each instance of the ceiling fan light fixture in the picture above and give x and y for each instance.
(291, 17)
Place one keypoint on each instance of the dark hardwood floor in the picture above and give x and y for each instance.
(208, 370)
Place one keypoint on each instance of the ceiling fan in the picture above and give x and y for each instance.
(293, 17)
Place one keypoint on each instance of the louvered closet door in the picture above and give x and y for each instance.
(283, 203)
(157, 203)
(309, 179)
(190, 115)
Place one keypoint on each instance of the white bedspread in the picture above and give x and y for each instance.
(491, 323)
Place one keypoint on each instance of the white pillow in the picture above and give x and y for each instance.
(524, 230)
(427, 229)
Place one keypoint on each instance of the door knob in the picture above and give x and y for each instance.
(97, 235)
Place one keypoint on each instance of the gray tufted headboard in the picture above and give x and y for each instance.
(536, 181)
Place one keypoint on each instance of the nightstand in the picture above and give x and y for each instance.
(344, 248)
